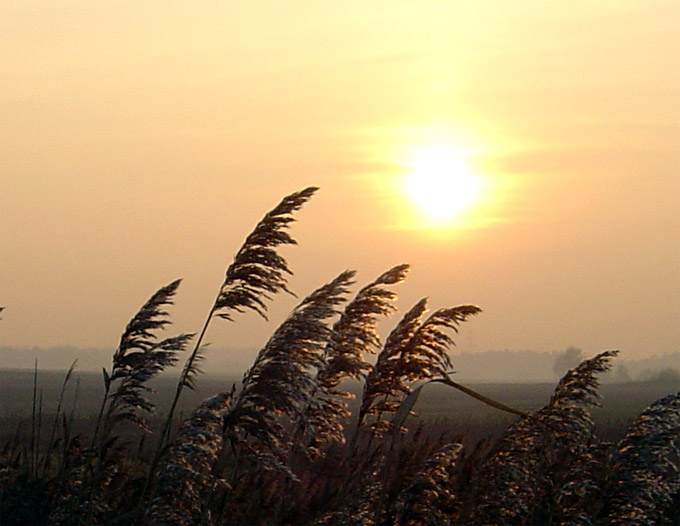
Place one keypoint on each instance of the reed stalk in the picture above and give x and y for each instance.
(55, 423)
(255, 275)
(32, 446)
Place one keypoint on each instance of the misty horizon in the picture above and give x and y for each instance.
(515, 366)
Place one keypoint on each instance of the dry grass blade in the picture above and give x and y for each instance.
(446, 380)
(644, 480)
(182, 485)
(50, 444)
(280, 381)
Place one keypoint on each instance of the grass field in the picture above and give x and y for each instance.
(452, 412)
(314, 434)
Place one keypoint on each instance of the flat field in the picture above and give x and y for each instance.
(443, 409)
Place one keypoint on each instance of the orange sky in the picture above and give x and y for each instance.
(141, 141)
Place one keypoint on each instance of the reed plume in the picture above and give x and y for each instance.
(353, 335)
(258, 271)
(360, 511)
(579, 500)
(383, 375)
(430, 499)
(184, 481)
(533, 454)
(643, 485)
(138, 358)
(277, 387)
(255, 275)
(417, 349)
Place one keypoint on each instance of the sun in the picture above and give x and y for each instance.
(440, 183)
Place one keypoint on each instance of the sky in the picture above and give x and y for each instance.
(142, 141)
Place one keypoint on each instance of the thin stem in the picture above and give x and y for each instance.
(68, 426)
(50, 445)
(97, 445)
(488, 401)
(35, 392)
(37, 441)
(98, 426)
(165, 433)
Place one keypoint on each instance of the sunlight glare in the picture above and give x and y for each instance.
(440, 183)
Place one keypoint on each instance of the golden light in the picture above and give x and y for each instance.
(440, 183)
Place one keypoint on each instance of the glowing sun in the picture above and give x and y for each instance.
(440, 183)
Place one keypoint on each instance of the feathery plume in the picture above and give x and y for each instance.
(257, 271)
(255, 275)
(140, 357)
(415, 350)
(184, 481)
(534, 453)
(579, 499)
(430, 498)
(644, 474)
(382, 377)
(353, 335)
(280, 381)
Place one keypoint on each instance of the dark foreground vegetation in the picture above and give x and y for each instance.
(286, 446)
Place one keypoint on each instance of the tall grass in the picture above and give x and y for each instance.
(255, 275)
(275, 450)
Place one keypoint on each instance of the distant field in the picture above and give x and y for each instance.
(445, 409)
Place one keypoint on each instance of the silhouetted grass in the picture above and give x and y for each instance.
(272, 448)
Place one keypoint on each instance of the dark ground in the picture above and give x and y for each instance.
(445, 409)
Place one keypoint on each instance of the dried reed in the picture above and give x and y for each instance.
(548, 468)
(184, 481)
(417, 349)
(514, 482)
(276, 389)
(430, 499)
(255, 275)
(643, 485)
(353, 335)
(138, 358)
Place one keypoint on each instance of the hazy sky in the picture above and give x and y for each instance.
(142, 141)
